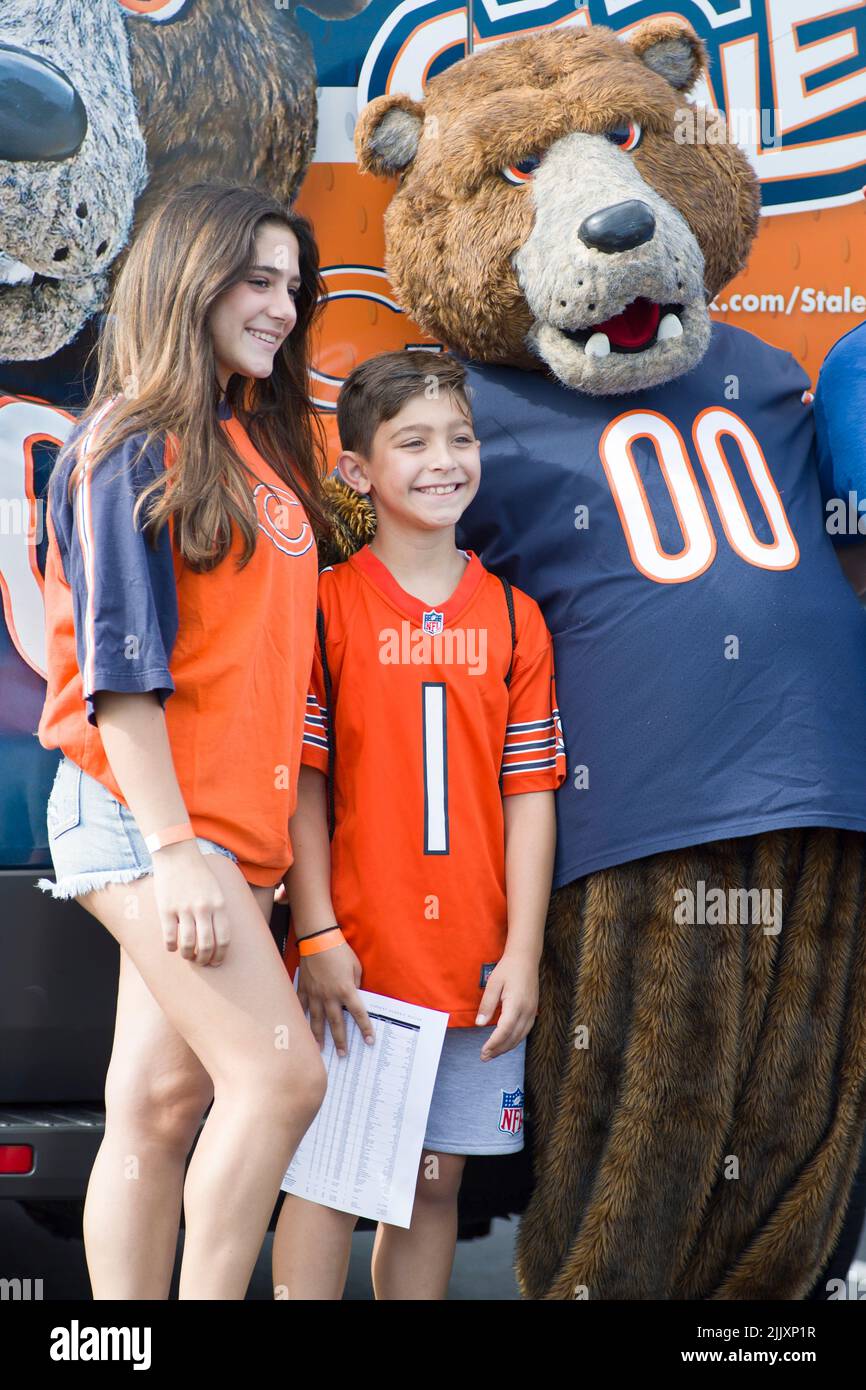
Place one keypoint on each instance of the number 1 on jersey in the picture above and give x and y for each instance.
(435, 736)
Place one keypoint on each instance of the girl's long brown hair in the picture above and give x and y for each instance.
(156, 355)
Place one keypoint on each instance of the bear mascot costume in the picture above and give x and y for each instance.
(697, 1073)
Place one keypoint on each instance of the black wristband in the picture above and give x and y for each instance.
(335, 927)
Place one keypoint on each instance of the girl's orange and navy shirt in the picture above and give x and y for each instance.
(227, 652)
(428, 739)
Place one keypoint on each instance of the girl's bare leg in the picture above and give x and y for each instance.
(156, 1092)
(311, 1251)
(243, 1023)
(416, 1264)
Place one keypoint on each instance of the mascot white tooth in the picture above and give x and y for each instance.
(697, 1074)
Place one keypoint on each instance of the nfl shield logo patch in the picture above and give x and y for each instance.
(432, 622)
(511, 1112)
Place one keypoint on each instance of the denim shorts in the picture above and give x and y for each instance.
(94, 838)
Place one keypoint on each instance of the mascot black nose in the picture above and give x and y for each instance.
(42, 117)
(618, 228)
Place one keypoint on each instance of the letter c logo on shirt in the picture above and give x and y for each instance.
(283, 520)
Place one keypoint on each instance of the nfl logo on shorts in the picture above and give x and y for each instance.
(511, 1112)
(432, 622)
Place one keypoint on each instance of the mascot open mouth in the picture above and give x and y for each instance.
(643, 345)
(13, 272)
(41, 313)
(641, 325)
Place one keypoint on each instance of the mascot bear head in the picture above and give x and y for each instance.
(550, 215)
(106, 106)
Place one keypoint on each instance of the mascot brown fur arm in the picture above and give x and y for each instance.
(698, 1092)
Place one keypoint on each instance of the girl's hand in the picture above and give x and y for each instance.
(190, 903)
(327, 984)
(514, 984)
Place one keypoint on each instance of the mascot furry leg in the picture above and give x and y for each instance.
(768, 1088)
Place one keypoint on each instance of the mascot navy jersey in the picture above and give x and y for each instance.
(672, 510)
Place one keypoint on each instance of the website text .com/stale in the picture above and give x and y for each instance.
(805, 299)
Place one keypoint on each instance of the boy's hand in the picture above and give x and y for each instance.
(328, 983)
(514, 985)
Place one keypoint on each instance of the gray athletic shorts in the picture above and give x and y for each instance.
(477, 1107)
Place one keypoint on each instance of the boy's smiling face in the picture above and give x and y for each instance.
(424, 466)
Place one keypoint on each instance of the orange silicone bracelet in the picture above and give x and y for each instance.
(322, 942)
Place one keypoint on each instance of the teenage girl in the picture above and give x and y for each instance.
(180, 596)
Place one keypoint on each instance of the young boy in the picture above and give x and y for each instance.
(447, 749)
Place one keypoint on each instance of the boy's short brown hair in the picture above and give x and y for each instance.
(377, 390)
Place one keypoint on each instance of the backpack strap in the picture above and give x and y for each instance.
(326, 675)
(509, 599)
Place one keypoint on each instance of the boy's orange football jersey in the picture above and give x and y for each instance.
(427, 739)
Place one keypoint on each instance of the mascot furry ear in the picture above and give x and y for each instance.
(387, 135)
(672, 49)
